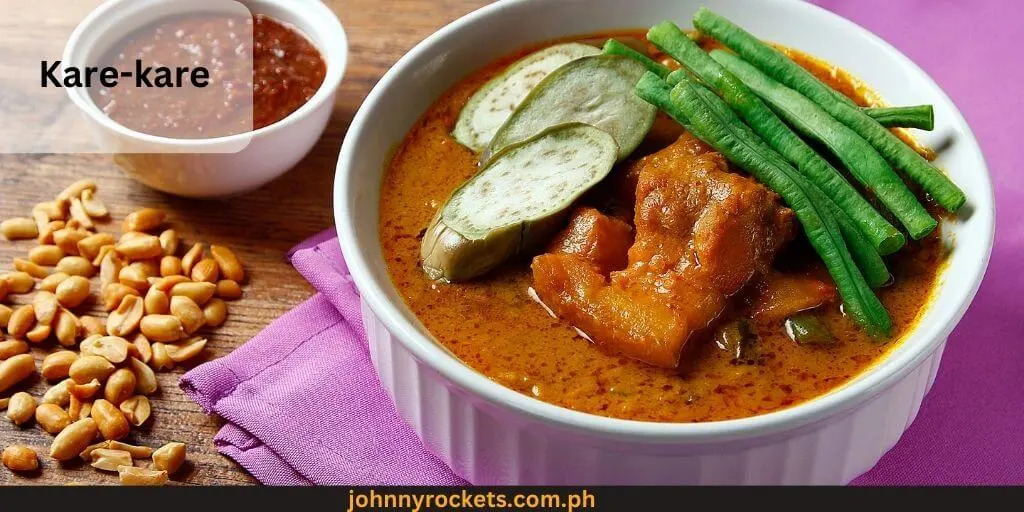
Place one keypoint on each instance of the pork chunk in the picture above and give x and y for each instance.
(599, 239)
(701, 234)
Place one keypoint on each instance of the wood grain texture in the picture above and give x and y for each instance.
(260, 227)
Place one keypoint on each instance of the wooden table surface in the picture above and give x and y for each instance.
(260, 226)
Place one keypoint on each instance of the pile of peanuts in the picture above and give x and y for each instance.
(157, 303)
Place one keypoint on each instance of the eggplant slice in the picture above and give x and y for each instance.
(596, 90)
(490, 106)
(516, 202)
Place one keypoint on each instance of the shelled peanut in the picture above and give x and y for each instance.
(162, 298)
(20, 458)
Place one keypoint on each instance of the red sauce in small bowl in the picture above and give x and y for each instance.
(288, 69)
(261, 71)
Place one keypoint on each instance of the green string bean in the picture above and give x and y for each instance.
(614, 47)
(921, 117)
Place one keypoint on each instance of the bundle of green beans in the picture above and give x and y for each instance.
(780, 68)
(736, 107)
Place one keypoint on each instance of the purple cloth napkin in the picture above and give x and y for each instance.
(301, 399)
(304, 406)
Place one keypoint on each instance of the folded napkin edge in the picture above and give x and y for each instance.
(256, 457)
(312, 242)
(208, 384)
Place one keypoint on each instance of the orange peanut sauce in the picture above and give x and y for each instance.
(494, 326)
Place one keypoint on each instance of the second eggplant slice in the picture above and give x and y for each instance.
(516, 202)
(596, 90)
(490, 106)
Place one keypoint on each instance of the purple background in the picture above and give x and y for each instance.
(971, 426)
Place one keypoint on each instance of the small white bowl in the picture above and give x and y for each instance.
(490, 434)
(217, 166)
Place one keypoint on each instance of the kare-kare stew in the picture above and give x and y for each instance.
(665, 226)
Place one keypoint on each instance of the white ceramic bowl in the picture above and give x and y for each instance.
(492, 435)
(218, 166)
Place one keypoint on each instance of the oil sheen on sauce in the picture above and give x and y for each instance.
(494, 326)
